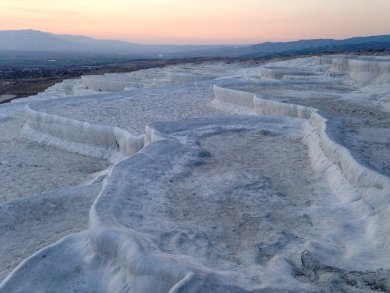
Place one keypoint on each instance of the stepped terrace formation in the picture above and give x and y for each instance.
(211, 177)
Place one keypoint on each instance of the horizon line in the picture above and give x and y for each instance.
(194, 44)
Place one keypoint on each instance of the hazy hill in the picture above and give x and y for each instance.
(306, 46)
(37, 41)
(319, 45)
(32, 40)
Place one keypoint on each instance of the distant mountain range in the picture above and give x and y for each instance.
(319, 45)
(37, 41)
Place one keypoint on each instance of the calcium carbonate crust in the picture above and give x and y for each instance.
(128, 259)
(372, 186)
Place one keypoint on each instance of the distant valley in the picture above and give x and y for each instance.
(38, 41)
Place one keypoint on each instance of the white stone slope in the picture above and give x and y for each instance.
(29, 169)
(364, 70)
(368, 75)
(358, 115)
(214, 204)
(32, 222)
(112, 143)
(245, 204)
(45, 193)
(80, 137)
(374, 187)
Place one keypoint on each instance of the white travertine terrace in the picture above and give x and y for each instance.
(80, 137)
(374, 187)
(282, 200)
(364, 71)
(106, 83)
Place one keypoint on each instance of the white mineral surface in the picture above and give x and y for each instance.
(212, 177)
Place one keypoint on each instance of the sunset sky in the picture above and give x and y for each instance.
(200, 21)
